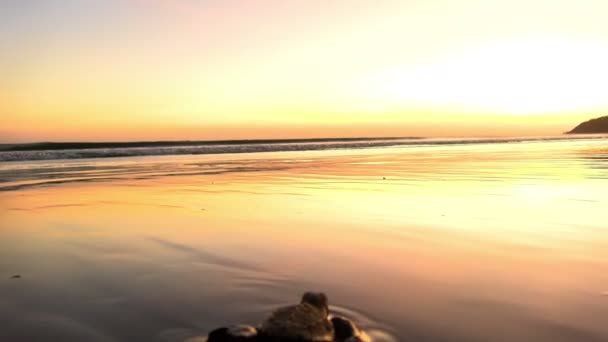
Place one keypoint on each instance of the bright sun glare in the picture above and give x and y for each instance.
(533, 76)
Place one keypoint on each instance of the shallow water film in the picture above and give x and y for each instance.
(429, 242)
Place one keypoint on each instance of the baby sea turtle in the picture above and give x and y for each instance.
(308, 321)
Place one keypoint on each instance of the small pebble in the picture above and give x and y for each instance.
(16, 276)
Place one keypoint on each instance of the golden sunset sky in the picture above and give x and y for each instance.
(210, 69)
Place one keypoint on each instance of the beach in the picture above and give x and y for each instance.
(467, 241)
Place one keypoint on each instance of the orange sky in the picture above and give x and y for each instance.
(193, 69)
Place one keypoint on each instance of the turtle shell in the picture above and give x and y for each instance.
(302, 322)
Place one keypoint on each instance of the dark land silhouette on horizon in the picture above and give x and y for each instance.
(597, 125)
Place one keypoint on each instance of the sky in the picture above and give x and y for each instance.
(119, 70)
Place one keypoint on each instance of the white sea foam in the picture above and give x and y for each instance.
(253, 147)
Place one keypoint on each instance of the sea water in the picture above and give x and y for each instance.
(415, 240)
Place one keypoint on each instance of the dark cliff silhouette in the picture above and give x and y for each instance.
(597, 125)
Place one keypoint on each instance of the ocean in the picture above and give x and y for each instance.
(414, 239)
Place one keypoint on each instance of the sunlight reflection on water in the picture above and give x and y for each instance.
(488, 242)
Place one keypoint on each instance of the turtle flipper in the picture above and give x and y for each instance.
(346, 331)
(234, 333)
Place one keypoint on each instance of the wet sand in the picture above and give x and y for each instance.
(486, 242)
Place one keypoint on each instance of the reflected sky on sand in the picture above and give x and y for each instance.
(476, 242)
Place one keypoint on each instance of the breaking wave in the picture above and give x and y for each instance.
(53, 151)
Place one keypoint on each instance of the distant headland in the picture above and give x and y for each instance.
(597, 125)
